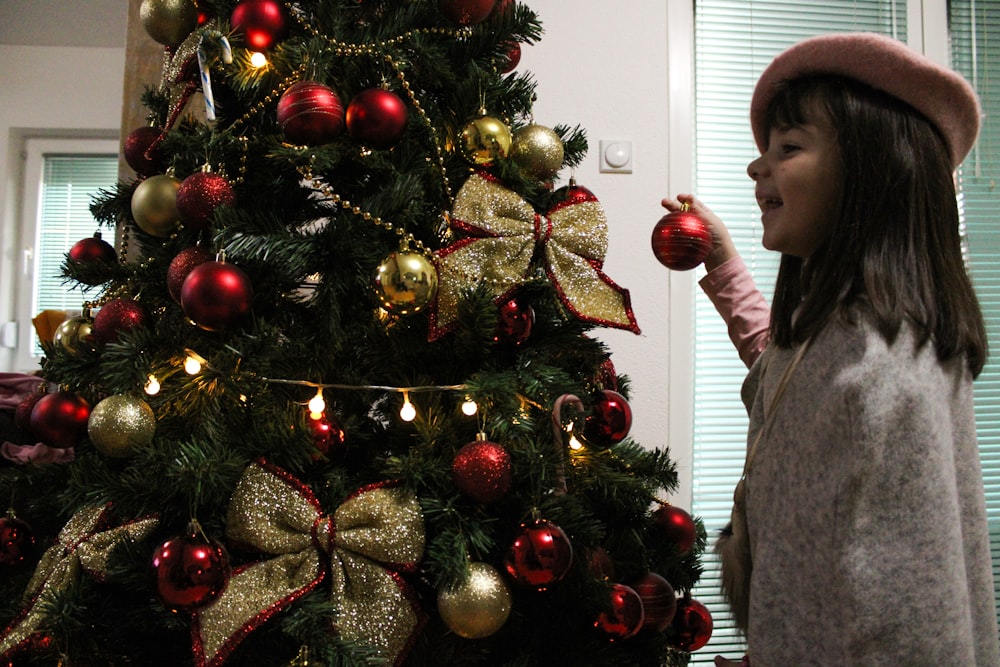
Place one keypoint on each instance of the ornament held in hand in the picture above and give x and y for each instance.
(681, 240)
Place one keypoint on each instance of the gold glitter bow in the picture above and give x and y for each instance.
(376, 534)
(84, 543)
(504, 231)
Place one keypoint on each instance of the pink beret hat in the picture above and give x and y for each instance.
(940, 94)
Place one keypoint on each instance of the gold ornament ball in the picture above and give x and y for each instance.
(406, 282)
(168, 21)
(538, 151)
(75, 335)
(154, 205)
(119, 424)
(478, 607)
(485, 140)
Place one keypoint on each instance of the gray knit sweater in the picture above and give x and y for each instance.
(866, 509)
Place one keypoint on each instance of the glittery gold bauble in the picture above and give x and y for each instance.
(75, 335)
(485, 140)
(154, 205)
(478, 607)
(118, 424)
(537, 150)
(406, 282)
(168, 21)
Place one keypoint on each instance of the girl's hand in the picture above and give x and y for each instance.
(724, 662)
(723, 248)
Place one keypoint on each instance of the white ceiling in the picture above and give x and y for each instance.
(63, 22)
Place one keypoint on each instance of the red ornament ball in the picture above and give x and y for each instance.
(216, 295)
(692, 625)
(310, 114)
(328, 436)
(610, 420)
(625, 616)
(93, 249)
(376, 118)
(659, 601)
(540, 555)
(190, 571)
(481, 470)
(181, 265)
(60, 419)
(466, 12)
(514, 322)
(17, 541)
(677, 525)
(681, 240)
(22, 414)
(117, 316)
(140, 153)
(198, 197)
(262, 22)
(513, 58)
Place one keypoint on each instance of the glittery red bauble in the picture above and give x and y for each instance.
(116, 316)
(144, 160)
(513, 58)
(514, 322)
(190, 571)
(659, 601)
(181, 265)
(93, 249)
(540, 555)
(466, 12)
(625, 616)
(481, 470)
(692, 625)
(677, 525)
(310, 114)
(329, 437)
(198, 197)
(610, 420)
(681, 240)
(376, 118)
(17, 541)
(262, 22)
(216, 295)
(22, 414)
(60, 419)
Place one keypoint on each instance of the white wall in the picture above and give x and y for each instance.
(602, 65)
(47, 91)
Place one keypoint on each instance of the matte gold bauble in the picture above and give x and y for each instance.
(484, 140)
(168, 21)
(119, 424)
(538, 151)
(75, 335)
(154, 205)
(405, 282)
(477, 607)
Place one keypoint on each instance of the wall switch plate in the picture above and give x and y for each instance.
(616, 156)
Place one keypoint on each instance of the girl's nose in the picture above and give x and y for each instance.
(755, 167)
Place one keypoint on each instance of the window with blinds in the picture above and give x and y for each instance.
(734, 41)
(69, 183)
(975, 42)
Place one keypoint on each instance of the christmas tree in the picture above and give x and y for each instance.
(335, 399)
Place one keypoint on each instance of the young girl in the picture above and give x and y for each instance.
(865, 510)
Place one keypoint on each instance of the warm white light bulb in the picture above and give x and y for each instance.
(258, 59)
(575, 444)
(192, 365)
(407, 413)
(152, 385)
(469, 407)
(317, 405)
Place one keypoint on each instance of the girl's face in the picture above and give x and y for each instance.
(799, 178)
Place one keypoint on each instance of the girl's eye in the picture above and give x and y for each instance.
(788, 148)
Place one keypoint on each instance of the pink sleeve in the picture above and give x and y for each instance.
(731, 289)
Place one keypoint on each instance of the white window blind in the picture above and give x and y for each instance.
(734, 41)
(975, 41)
(69, 183)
